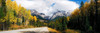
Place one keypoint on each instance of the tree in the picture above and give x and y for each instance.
(15, 6)
(2, 13)
(0, 2)
(2, 8)
(81, 4)
(97, 22)
(64, 23)
(68, 18)
(35, 18)
(75, 13)
(11, 13)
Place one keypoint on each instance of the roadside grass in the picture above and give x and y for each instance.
(14, 27)
(53, 30)
(66, 31)
(72, 31)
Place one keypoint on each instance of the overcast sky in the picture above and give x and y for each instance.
(48, 7)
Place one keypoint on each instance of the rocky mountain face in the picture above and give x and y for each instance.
(43, 16)
(39, 15)
(58, 14)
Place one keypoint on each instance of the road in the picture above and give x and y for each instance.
(29, 30)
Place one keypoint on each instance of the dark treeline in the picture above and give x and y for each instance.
(87, 17)
(59, 23)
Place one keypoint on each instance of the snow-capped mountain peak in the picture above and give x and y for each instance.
(55, 14)
(58, 14)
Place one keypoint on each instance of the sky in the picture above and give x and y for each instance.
(78, 1)
(48, 7)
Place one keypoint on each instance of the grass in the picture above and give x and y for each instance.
(14, 27)
(53, 30)
(56, 31)
(66, 31)
(72, 31)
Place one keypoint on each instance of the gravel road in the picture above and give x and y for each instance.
(29, 30)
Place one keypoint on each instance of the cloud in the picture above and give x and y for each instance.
(48, 7)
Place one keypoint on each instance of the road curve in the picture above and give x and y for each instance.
(29, 30)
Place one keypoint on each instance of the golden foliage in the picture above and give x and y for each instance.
(35, 18)
(8, 2)
(75, 12)
(0, 3)
(72, 31)
(15, 13)
(14, 26)
(53, 30)
(2, 20)
(32, 18)
(86, 5)
(68, 18)
(15, 6)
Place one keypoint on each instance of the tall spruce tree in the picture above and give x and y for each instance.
(81, 4)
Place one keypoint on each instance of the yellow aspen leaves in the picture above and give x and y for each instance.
(68, 18)
(8, 2)
(75, 12)
(35, 18)
(19, 8)
(16, 13)
(15, 6)
(2, 20)
(32, 18)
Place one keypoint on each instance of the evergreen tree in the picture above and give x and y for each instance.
(4, 6)
(97, 22)
(81, 4)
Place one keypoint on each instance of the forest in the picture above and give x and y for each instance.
(85, 18)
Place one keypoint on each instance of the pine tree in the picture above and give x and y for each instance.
(97, 23)
(81, 4)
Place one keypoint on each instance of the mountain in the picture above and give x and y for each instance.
(55, 15)
(58, 14)
(39, 15)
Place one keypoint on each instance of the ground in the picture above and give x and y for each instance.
(29, 30)
(39, 30)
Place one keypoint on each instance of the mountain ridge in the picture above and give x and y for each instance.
(59, 13)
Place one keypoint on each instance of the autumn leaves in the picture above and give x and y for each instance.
(16, 13)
